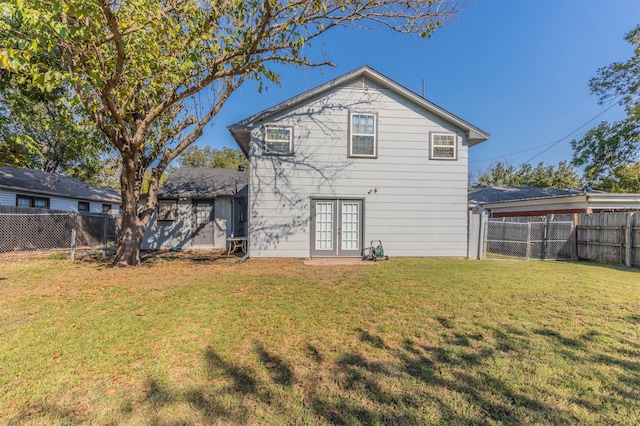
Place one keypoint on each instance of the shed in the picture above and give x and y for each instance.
(199, 208)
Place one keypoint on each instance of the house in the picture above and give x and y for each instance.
(519, 201)
(35, 188)
(199, 208)
(356, 159)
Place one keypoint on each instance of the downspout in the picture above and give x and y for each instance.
(233, 209)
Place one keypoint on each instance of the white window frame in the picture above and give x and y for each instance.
(432, 145)
(267, 141)
(374, 135)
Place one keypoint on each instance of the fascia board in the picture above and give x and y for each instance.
(547, 201)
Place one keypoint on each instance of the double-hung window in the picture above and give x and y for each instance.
(443, 146)
(29, 201)
(167, 209)
(278, 140)
(362, 135)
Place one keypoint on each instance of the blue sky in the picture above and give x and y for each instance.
(516, 69)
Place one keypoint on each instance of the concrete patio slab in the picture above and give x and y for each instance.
(336, 261)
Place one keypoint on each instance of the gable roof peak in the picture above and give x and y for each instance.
(241, 129)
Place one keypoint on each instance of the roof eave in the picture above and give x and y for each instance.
(535, 200)
(242, 136)
(60, 194)
(614, 198)
(474, 134)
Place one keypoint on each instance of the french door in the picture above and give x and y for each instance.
(336, 227)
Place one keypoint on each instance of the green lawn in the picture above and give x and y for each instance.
(407, 341)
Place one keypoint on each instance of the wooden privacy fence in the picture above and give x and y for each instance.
(612, 238)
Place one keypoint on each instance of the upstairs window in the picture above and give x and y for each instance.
(443, 146)
(83, 206)
(362, 137)
(167, 209)
(278, 140)
(29, 201)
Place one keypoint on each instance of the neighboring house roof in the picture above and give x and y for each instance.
(202, 182)
(242, 129)
(37, 181)
(529, 201)
(498, 194)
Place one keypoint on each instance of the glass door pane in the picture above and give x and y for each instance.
(350, 226)
(324, 225)
(203, 213)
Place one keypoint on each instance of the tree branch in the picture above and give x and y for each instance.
(230, 85)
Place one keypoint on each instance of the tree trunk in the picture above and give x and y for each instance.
(130, 242)
(132, 231)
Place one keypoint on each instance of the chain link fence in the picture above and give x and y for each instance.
(58, 232)
(529, 240)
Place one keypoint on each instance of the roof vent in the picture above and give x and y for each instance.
(241, 168)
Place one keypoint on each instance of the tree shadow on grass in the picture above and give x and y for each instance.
(279, 370)
(377, 382)
(571, 343)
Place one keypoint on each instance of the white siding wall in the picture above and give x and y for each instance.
(8, 198)
(167, 234)
(66, 204)
(420, 207)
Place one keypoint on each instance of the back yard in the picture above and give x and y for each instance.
(408, 341)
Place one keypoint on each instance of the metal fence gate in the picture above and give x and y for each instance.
(548, 240)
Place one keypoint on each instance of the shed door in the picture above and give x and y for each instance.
(203, 223)
(336, 228)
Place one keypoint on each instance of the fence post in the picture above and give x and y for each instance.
(484, 229)
(528, 249)
(104, 235)
(621, 249)
(74, 232)
(575, 237)
(482, 243)
(628, 241)
(545, 236)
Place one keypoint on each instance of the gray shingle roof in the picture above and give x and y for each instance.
(37, 181)
(496, 194)
(204, 183)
